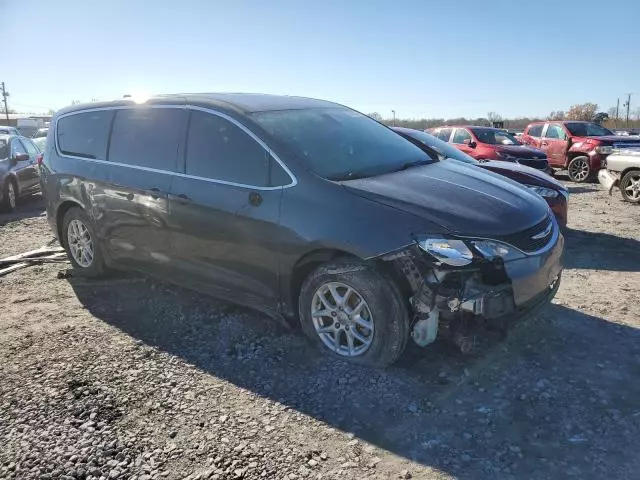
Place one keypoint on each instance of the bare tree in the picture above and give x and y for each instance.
(556, 115)
(375, 116)
(494, 117)
(75, 102)
(584, 111)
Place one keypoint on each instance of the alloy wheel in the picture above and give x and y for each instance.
(342, 319)
(579, 170)
(632, 187)
(80, 243)
(11, 194)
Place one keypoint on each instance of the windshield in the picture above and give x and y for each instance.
(493, 136)
(340, 144)
(587, 129)
(443, 149)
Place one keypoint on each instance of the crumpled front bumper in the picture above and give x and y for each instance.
(608, 179)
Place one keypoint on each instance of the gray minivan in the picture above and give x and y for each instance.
(301, 208)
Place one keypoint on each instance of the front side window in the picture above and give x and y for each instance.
(147, 137)
(444, 134)
(493, 136)
(461, 136)
(585, 129)
(554, 131)
(220, 150)
(535, 131)
(17, 148)
(85, 134)
(341, 144)
(443, 149)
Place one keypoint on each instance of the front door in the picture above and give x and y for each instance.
(461, 140)
(24, 169)
(554, 144)
(31, 167)
(225, 212)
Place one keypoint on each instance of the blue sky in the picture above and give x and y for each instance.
(420, 58)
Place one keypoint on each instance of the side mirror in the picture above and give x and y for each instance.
(472, 144)
(21, 157)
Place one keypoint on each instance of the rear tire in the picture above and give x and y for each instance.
(630, 186)
(81, 243)
(579, 169)
(368, 324)
(9, 196)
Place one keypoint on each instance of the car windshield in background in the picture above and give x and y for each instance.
(40, 142)
(443, 149)
(341, 144)
(494, 136)
(587, 129)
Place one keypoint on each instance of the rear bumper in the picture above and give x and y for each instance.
(608, 179)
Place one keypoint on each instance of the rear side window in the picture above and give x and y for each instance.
(85, 134)
(220, 150)
(535, 131)
(147, 137)
(444, 134)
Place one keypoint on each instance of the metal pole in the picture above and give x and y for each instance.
(4, 96)
(628, 106)
(394, 117)
(617, 111)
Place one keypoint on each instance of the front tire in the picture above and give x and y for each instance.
(9, 196)
(81, 243)
(579, 169)
(349, 310)
(630, 186)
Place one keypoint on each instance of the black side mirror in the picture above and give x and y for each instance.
(20, 157)
(472, 144)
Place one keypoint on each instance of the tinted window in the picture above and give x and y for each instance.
(535, 131)
(443, 149)
(339, 143)
(494, 136)
(147, 137)
(461, 135)
(587, 129)
(554, 131)
(31, 148)
(85, 134)
(220, 150)
(17, 148)
(444, 134)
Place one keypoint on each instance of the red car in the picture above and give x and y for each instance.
(579, 147)
(487, 143)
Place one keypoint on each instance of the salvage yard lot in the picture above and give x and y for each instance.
(131, 378)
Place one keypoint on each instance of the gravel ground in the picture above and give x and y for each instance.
(131, 378)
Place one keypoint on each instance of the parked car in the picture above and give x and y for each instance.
(41, 133)
(18, 173)
(5, 130)
(555, 194)
(579, 147)
(487, 143)
(40, 142)
(623, 171)
(300, 208)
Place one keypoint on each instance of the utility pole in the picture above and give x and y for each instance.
(617, 111)
(628, 105)
(5, 94)
(394, 117)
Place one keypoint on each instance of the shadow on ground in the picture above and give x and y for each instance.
(601, 251)
(558, 398)
(28, 207)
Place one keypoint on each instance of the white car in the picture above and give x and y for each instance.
(622, 170)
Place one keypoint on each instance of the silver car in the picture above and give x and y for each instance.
(622, 170)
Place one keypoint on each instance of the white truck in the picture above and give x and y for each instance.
(622, 170)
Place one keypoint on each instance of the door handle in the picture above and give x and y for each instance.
(155, 193)
(181, 197)
(544, 144)
(255, 199)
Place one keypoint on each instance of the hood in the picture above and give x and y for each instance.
(521, 151)
(522, 174)
(463, 199)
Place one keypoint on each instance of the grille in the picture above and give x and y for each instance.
(540, 164)
(524, 241)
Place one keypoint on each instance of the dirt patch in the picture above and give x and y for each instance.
(132, 378)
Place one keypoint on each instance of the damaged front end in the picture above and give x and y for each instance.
(459, 284)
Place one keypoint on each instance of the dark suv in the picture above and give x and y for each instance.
(580, 147)
(303, 209)
(19, 159)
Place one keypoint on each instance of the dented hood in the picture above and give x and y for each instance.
(463, 199)
(522, 174)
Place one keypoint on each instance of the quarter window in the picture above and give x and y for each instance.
(220, 150)
(31, 148)
(85, 134)
(444, 134)
(461, 135)
(535, 131)
(147, 137)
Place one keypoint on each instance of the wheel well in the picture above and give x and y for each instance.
(572, 155)
(630, 169)
(62, 210)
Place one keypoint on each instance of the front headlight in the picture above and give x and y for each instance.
(604, 149)
(492, 249)
(544, 191)
(451, 252)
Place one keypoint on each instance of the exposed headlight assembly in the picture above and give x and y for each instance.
(492, 249)
(604, 149)
(450, 252)
(544, 191)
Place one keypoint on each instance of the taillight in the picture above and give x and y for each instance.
(39, 158)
